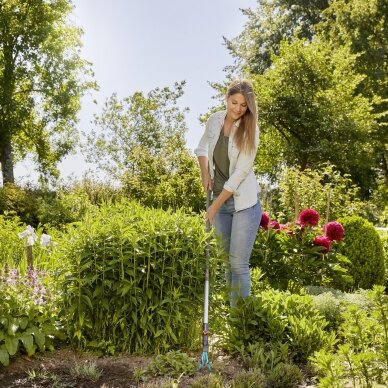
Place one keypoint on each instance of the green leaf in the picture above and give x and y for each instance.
(28, 342)
(39, 338)
(12, 345)
(4, 356)
(23, 322)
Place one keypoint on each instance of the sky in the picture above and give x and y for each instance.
(141, 45)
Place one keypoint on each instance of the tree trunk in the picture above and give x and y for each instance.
(6, 160)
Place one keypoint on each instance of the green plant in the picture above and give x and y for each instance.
(29, 314)
(87, 370)
(136, 279)
(364, 250)
(173, 363)
(266, 356)
(291, 256)
(209, 381)
(138, 375)
(362, 355)
(278, 317)
(285, 375)
(249, 379)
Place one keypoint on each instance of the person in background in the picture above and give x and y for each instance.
(226, 154)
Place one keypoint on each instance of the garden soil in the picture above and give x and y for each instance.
(53, 369)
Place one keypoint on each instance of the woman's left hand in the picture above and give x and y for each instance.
(211, 213)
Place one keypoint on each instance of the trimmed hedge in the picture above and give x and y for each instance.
(364, 248)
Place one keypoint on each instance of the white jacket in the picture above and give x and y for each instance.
(242, 181)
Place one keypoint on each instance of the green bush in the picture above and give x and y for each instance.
(278, 317)
(285, 376)
(23, 202)
(173, 364)
(246, 379)
(332, 304)
(364, 250)
(136, 279)
(362, 355)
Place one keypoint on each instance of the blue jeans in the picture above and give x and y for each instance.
(238, 233)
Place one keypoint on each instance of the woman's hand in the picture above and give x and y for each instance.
(207, 182)
(211, 213)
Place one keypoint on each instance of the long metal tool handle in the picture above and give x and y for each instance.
(205, 342)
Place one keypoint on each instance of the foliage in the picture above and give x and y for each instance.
(285, 376)
(362, 26)
(333, 303)
(136, 279)
(362, 356)
(363, 248)
(278, 317)
(12, 251)
(141, 144)
(88, 371)
(309, 98)
(268, 25)
(28, 314)
(173, 363)
(210, 380)
(325, 189)
(42, 79)
(290, 257)
(251, 378)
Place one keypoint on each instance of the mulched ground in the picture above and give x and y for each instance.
(53, 369)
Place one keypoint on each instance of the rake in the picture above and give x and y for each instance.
(204, 361)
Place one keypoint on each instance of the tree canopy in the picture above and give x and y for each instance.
(42, 78)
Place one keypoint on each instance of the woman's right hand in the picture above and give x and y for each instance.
(207, 182)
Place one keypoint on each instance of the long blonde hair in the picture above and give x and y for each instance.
(246, 133)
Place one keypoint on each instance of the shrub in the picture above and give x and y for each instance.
(362, 356)
(364, 250)
(252, 378)
(173, 363)
(298, 254)
(209, 381)
(279, 317)
(285, 376)
(136, 279)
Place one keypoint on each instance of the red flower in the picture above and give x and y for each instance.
(274, 225)
(334, 231)
(323, 241)
(308, 217)
(264, 220)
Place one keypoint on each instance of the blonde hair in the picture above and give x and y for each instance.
(246, 133)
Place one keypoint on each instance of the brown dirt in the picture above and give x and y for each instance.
(53, 369)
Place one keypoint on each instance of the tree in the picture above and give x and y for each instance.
(309, 103)
(42, 79)
(363, 27)
(268, 25)
(140, 143)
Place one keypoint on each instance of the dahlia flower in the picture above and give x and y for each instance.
(264, 220)
(308, 217)
(323, 241)
(334, 231)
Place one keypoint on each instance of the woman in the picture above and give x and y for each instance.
(226, 153)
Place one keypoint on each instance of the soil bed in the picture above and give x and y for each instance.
(53, 369)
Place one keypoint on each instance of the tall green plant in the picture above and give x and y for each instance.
(136, 280)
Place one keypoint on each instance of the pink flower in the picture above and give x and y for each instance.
(264, 220)
(323, 241)
(274, 225)
(308, 217)
(334, 231)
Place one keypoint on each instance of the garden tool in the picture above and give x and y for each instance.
(204, 361)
